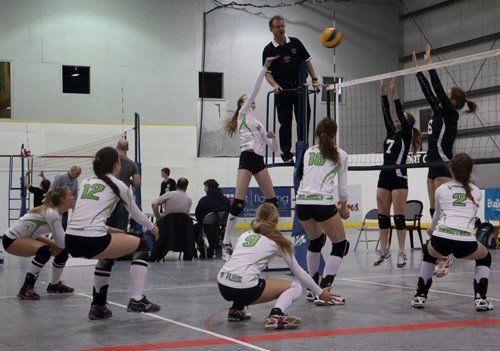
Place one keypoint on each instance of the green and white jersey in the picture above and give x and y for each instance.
(252, 253)
(455, 214)
(317, 184)
(96, 200)
(33, 225)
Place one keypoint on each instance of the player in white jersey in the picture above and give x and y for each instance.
(240, 279)
(452, 231)
(26, 237)
(317, 209)
(253, 140)
(88, 236)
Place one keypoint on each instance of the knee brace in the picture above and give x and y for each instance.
(340, 248)
(42, 255)
(315, 245)
(142, 252)
(427, 256)
(105, 264)
(485, 261)
(480, 288)
(237, 207)
(60, 260)
(273, 201)
(384, 221)
(399, 221)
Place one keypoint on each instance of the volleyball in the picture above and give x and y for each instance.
(330, 37)
(25, 152)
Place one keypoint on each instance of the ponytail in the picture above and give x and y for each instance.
(471, 107)
(326, 131)
(231, 124)
(265, 223)
(52, 199)
(104, 162)
(461, 168)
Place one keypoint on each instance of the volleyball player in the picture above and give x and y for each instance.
(392, 188)
(316, 209)
(253, 139)
(240, 279)
(88, 236)
(442, 131)
(26, 238)
(452, 232)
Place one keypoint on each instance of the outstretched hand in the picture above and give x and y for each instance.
(271, 135)
(382, 87)
(427, 55)
(156, 232)
(392, 85)
(326, 295)
(414, 62)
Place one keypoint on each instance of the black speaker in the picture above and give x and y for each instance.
(210, 85)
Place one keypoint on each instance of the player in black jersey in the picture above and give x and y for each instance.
(392, 188)
(441, 130)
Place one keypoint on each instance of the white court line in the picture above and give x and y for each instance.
(411, 288)
(220, 336)
(408, 275)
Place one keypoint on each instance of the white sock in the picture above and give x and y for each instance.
(313, 260)
(231, 223)
(288, 297)
(332, 265)
(57, 271)
(138, 271)
(426, 270)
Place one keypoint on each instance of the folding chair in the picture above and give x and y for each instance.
(371, 215)
(214, 225)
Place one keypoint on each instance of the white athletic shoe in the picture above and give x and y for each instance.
(381, 257)
(335, 301)
(443, 266)
(401, 260)
(247, 313)
(483, 305)
(418, 302)
(309, 296)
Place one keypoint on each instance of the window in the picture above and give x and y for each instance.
(5, 90)
(76, 79)
(210, 85)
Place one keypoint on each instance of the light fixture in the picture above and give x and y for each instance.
(75, 73)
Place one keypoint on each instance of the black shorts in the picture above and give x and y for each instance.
(243, 297)
(392, 183)
(459, 249)
(438, 171)
(87, 247)
(6, 241)
(319, 213)
(251, 162)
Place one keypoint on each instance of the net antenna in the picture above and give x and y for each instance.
(361, 118)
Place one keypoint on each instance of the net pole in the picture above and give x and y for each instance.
(334, 73)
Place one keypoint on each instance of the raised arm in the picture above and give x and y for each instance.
(247, 105)
(386, 112)
(399, 108)
(425, 86)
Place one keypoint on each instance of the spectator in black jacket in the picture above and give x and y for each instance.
(38, 192)
(213, 201)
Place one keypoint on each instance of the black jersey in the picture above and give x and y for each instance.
(285, 69)
(442, 128)
(397, 143)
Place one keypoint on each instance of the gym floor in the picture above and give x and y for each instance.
(377, 314)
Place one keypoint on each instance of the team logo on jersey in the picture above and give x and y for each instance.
(287, 59)
(294, 51)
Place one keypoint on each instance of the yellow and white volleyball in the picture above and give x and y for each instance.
(330, 37)
(25, 152)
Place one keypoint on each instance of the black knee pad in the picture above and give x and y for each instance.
(237, 207)
(399, 221)
(142, 252)
(340, 249)
(327, 281)
(427, 256)
(105, 264)
(43, 254)
(60, 260)
(273, 201)
(485, 261)
(384, 221)
(315, 245)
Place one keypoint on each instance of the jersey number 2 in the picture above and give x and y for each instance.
(459, 199)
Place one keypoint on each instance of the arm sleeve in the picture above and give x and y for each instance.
(135, 212)
(386, 111)
(302, 276)
(342, 178)
(401, 115)
(253, 94)
(426, 89)
(438, 88)
(54, 222)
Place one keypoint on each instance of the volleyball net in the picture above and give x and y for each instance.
(359, 110)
